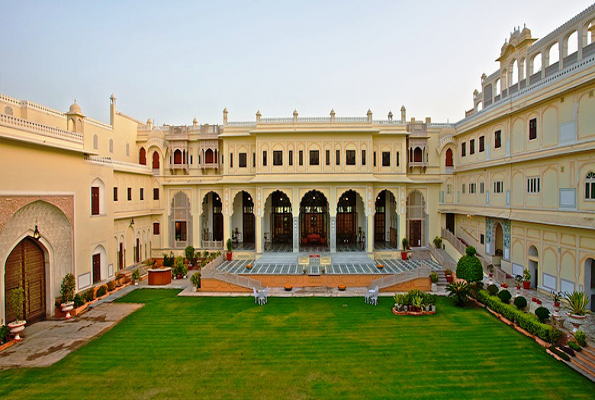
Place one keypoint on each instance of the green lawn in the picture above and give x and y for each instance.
(312, 348)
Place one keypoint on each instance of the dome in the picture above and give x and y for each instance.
(75, 108)
(195, 121)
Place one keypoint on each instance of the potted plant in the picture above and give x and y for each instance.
(229, 245)
(189, 250)
(16, 298)
(448, 274)
(557, 296)
(438, 242)
(67, 294)
(434, 279)
(135, 276)
(180, 269)
(405, 243)
(518, 282)
(195, 280)
(526, 279)
(577, 302)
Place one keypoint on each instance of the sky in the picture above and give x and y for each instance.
(175, 60)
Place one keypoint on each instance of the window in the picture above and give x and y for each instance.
(398, 158)
(243, 160)
(498, 187)
(481, 144)
(363, 157)
(374, 158)
(253, 160)
(463, 149)
(328, 157)
(472, 146)
(95, 142)
(277, 157)
(533, 129)
(497, 139)
(314, 157)
(472, 188)
(155, 193)
(338, 157)
(264, 158)
(191, 159)
(481, 187)
(115, 194)
(129, 194)
(463, 187)
(386, 159)
(533, 185)
(350, 157)
(181, 231)
(142, 156)
(301, 157)
(142, 193)
(590, 186)
(155, 228)
(94, 200)
(290, 157)
(230, 160)
(482, 239)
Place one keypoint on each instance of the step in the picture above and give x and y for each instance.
(586, 369)
(586, 358)
(588, 352)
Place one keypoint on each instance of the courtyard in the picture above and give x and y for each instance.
(230, 348)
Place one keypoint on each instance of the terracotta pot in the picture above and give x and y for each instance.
(526, 285)
(342, 288)
(179, 276)
(228, 255)
(449, 278)
(404, 255)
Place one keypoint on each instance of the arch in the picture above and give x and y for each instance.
(570, 43)
(590, 281)
(533, 251)
(129, 245)
(55, 241)
(350, 221)
(498, 239)
(97, 198)
(212, 220)
(209, 156)
(514, 72)
(418, 155)
(533, 265)
(386, 221)
(314, 220)
(178, 157)
(498, 86)
(535, 63)
(278, 222)
(416, 219)
(590, 186)
(449, 160)
(243, 221)
(180, 221)
(156, 160)
(553, 53)
(99, 264)
(142, 156)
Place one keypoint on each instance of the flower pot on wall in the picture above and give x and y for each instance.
(576, 321)
(67, 307)
(526, 285)
(16, 328)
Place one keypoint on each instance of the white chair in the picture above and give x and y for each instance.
(255, 295)
(372, 296)
(266, 295)
(367, 296)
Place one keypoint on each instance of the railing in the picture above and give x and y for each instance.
(123, 164)
(455, 241)
(42, 129)
(213, 165)
(395, 279)
(98, 123)
(212, 244)
(413, 164)
(446, 264)
(209, 271)
(40, 107)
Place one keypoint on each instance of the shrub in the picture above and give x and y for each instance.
(189, 254)
(458, 290)
(111, 286)
(469, 267)
(229, 245)
(168, 261)
(581, 338)
(67, 288)
(16, 298)
(504, 296)
(574, 345)
(4, 334)
(135, 275)
(560, 354)
(102, 290)
(434, 277)
(578, 302)
(179, 267)
(493, 290)
(195, 279)
(520, 302)
(89, 295)
(78, 300)
(542, 313)
(438, 242)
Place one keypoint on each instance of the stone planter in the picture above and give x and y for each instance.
(67, 307)
(576, 321)
(16, 328)
(434, 287)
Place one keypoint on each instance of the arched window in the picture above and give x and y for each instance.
(590, 186)
(142, 156)
(497, 86)
(571, 44)
(449, 159)
(177, 157)
(111, 145)
(536, 64)
(554, 54)
(95, 142)
(209, 156)
(418, 155)
(514, 73)
(155, 160)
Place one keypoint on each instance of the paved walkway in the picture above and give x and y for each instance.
(47, 342)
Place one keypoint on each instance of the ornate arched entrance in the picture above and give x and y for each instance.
(25, 268)
(351, 222)
(243, 222)
(416, 219)
(386, 221)
(180, 219)
(278, 222)
(314, 220)
(212, 221)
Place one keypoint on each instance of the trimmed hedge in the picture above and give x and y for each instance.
(493, 290)
(520, 302)
(505, 296)
(528, 322)
(559, 353)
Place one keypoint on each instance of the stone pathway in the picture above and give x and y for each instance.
(47, 342)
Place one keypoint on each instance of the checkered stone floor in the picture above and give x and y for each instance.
(390, 267)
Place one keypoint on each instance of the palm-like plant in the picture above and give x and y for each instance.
(458, 290)
(578, 302)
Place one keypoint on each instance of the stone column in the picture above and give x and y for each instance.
(259, 234)
(296, 234)
(333, 234)
(369, 231)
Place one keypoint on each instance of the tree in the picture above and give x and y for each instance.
(458, 290)
(469, 267)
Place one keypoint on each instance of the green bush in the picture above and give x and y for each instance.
(542, 313)
(4, 334)
(135, 275)
(574, 345)
(78, 300)
(111, 286)
(89, 295)
(520, 302)
(67, 288)
(459, 290)
(559, 353)
(102, 290)
(581, 338)
(504, 295)
(434, 277)
(168, 261)
(493, 290)
(469, 267)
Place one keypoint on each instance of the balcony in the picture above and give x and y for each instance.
(206, 165)
(421, 164)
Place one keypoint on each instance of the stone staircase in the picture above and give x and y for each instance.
(442, 281)
(584, 362)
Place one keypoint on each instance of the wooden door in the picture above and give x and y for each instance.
(379, 232)
(137, 250)
(25, 267)
(248, 228)
(415, 233)
(94, 200)
(155, 160)
(121, 256)
(96, 268)
(450, 223)
(218, 227)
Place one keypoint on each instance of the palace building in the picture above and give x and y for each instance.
(515, 178)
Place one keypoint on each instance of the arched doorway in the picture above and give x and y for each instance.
(351, 221)
(449, 162)
(590, 281)
(499, 240)
(212, 221)
(156, 161)
(177, 157)
(25, 267)
(314, 221)
(129, 250)
(278, 222)
(416, 219)
(385, 221)
(180, 218)
(209, 156)
(142, 156)
(533, 265)
(243, 222)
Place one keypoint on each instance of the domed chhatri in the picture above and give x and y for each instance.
(75, 108)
